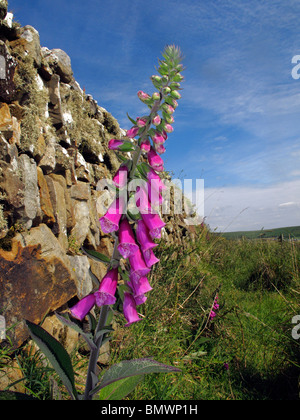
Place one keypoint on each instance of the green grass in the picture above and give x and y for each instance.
(287, 232)
(258, 287)
(251, 333)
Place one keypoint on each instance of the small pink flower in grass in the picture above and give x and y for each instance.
(154, 224)
(212, 315)
(83, 307)
(138, 266)
(107, 289)
(127, 246)
(129, 309)
(110, 221)
(155, 161)
(132, 132)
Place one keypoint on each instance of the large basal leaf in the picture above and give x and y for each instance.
(57, 355)
(120, 389)
(76, 326)
(129, 368)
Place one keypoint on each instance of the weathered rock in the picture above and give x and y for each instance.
(9, 126)
(45, 200)
(80, 265)
(7, 71)
(3, 9)
(58, 195)
(48, 160)
(60, 62)
(29, 39)
(54, 107)
(35, 279)
(67, 336)
(32, 207)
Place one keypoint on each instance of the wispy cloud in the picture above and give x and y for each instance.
(248, 208)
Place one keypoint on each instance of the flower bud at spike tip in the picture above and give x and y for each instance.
(175, 94)
(143, 96)
(160, 148)
(156, 96)
(127, 246)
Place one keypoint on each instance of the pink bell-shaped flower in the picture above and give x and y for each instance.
(83, 307)
(127, 245)
(110, 221)
(105, 295)
(129, 309)
(154, 224)
(138, 266)
(155, 161)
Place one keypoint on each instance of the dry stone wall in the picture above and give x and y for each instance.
(53, 152)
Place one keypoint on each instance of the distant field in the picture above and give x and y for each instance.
(287, 232)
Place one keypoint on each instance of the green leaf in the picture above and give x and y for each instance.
(95, 255)
(129, 368)
(73, 324)
(131, 119)
(120, 389)
(56, 354)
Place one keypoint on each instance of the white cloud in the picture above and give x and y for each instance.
(250, 208)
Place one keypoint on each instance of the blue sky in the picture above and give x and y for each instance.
(237, 124)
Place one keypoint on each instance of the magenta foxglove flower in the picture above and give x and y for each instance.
(129, 309)
(132, 132)
(146, 145)
(212, 315)
(114, 144)
(83, 307)
(138, 266)
(143, 237)
(154, 224)
(127, 245)
(150, 258)
(155, 161)
(110, 221)
(155, 180)
(107, 289)
(121, 177)
(140, 286)
(158, 138)
(142, 200)
(142, 121)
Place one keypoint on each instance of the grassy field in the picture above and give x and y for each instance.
(286, 232)
(246, 352)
